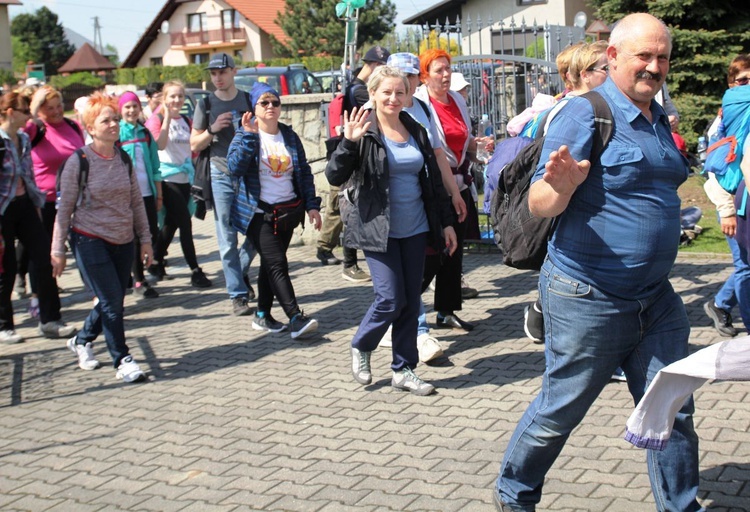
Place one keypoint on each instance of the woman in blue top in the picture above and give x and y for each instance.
(137, 142)
(395, 205)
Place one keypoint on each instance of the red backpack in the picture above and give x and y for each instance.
(336, 115)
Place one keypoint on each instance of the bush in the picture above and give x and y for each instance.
(60, 82)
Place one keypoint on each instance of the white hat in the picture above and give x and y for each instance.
(458, 82)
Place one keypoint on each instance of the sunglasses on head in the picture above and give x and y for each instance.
(742, 81)
(273, 103)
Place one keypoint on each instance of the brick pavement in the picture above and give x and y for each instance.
(234, 419)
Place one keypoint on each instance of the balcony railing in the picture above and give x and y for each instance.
(221, 35)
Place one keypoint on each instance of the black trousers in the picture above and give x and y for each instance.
(21, 221)
(176, 198)
(447, 269)
(49, 212)
(273, 276)
(153, 226)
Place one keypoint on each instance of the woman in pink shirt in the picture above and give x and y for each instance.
(53, 139)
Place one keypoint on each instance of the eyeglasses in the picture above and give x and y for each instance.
(742, 81)
(273, 103)
(604, 68)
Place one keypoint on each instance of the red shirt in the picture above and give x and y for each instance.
(455, 130)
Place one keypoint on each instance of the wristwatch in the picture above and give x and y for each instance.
(209, 130)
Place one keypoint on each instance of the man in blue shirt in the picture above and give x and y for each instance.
(605, 292)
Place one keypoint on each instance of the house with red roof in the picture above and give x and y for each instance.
(190, 31)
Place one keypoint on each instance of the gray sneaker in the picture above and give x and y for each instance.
(267, 323)
(302, 324)
(240, 307)
(355, 274)
(721, 319)
(361, 366)
(56, 329)
(407, 380)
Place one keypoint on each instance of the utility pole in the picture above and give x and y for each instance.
(98, 46)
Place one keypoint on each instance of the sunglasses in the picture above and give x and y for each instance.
(604, 68)
(742, 81)
(273, 103)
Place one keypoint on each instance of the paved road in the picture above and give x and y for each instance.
(233, 419)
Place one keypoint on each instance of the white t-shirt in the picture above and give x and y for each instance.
(140, 172)
(178, 149)
(276, 170)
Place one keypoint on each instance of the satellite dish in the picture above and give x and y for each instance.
(580, 19)
(164, 29)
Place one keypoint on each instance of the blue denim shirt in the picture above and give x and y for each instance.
(621, 229)
(18, 166)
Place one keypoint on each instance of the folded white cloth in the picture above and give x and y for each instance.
(651, 423)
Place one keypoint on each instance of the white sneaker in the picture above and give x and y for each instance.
(10, 337)
(386, 340)
(428, 347)
(85, 353)
(129, 371)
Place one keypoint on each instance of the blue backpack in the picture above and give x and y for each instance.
(724, 156)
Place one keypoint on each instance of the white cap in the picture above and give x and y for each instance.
(458, 82)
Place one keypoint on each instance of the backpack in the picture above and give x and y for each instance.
(336, 118)
(83, 175)
(722, 160)
(41, 130)
(521, 236)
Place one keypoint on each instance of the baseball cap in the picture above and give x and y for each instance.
(458, 82)
(220, 61)
(377, 54)
(405, 62)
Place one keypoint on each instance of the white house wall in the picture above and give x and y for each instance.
(6, 50)
(161, 47)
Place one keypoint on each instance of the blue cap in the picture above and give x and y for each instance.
(258, 90)
(407, 63)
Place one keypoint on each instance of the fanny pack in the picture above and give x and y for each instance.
(283, 216)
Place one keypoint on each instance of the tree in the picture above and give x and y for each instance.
(435, 41)
(42, 40)
(706, 36)
(314, 29)
(114, 58)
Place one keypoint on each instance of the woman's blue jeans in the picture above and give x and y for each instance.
(588, 335)
(105, 268)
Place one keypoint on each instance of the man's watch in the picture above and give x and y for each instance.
(209, 130)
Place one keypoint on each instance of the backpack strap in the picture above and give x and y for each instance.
(126, 160)
(603, 123)
(40, 131)
(83, 176)
(424, 107)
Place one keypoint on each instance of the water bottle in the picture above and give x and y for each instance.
(484, 130)
(702, 147)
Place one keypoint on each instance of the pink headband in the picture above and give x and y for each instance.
(128, 96)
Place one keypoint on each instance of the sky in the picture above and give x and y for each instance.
(122, 23)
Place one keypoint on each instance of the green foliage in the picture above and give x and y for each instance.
(706, 36)
(7, 77)
(314, 29)
(115, 57)
(83, 78)
(41, 39)
(190, 74)
(536, 50)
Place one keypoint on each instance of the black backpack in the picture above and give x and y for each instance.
(521, 237)
(83, 175)
(41, 130)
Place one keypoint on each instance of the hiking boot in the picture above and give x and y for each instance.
(467, 292)
(327, 257)
(721, 319)
(9, 337)
(355, 274)
(129, 371)
(407, 380)
(301, 324)
(267, 323)
(144, 290)
(533, 323)
(85, 353)
(250, 291)
(157, 270)
(361, 366)
(56, 329)
(199, 280)
(240, 307)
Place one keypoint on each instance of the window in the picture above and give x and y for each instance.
(230, 18)
(196, 22)
(156, 61)
(199, 58)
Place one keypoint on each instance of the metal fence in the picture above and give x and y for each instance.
(506, 74)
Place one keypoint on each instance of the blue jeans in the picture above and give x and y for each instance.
(234, 261)
(736, 289)
(422, 327)
(105, 269)
(588, 335)
(396, 281)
